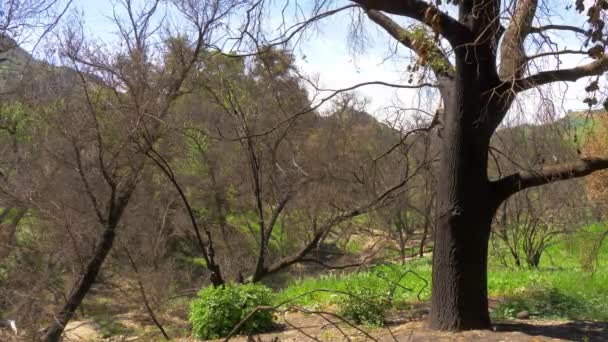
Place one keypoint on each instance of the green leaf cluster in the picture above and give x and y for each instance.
(218, 310)
(365, 305)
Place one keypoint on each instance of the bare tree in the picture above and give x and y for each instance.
(121, 98)
(527, 226)
(21, 20)
(283, 178)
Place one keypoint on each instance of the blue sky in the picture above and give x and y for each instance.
(327, 55)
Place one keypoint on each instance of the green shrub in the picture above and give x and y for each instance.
(218, 310)
(364, 305)
(541, 303)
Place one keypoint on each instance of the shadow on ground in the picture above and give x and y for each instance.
(311, 328)
(574, 331)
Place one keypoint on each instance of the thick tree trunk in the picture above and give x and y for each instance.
(464, 210)
(459, 299)
(83, 286)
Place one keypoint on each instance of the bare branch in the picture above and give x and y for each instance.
(312, 108)
(435, 58)
(512, 50)
(322, 231)
(509, 185)
(594, 68)
(207, 248)
(557, 53)
(144, 297)
(455, 32)
(557, 27)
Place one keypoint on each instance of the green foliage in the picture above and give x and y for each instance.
(195, 145)
(29, 231)
(542, 303)
(247, 223)
(568, 290)
(593, 244)
(560, 272)
(426, 44)
(353, 246)
(382, 278)
(193, 261)
(109, 326)
(364, 305)
(218, 310)
(15, 122)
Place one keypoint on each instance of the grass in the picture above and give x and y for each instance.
(560, 288)
(109, 326)
(383, 276)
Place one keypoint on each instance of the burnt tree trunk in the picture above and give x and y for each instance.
(83, 286)
(465, 205)
(459, 299)
(102, 249)
(476, 96)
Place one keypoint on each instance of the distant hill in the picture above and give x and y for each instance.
(583, 118)
(21, 74)
(13, 63)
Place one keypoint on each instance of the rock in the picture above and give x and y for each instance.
(523, 315)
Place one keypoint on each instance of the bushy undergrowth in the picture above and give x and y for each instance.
(542, 303)
(560, 288)
(364, 305)
(218, 310)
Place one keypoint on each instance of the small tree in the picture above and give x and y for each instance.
(526, 226)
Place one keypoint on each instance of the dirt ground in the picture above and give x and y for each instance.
(300, 327)
(296, 326)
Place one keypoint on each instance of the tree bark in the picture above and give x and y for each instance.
(459, 299)
(476, 99)
(83, 286)
(464, 209)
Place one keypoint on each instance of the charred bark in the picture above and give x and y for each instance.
(83, 286)
(116, 207)
(459, 300)
(464, 207)
(476, 100)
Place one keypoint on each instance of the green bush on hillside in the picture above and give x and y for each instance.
(218, 310)
(364, 305)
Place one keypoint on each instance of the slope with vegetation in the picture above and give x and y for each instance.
(160, 187)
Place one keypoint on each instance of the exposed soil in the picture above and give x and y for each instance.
(403, 326)
(301, 327)
(79, 331)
